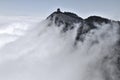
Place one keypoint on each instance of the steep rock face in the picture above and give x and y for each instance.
(89, 24)
(68, 19)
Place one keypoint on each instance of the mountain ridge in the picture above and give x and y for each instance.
(68, 19)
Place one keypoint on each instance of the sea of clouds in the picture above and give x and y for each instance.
(32, 50)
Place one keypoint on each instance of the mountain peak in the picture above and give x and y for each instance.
(61, 18)
(64, 18)
(68, 19)
(65, 15)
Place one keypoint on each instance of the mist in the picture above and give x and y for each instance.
(32, 50)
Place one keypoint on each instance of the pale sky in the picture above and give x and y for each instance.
(42, 8)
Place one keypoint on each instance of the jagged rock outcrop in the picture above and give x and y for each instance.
(89, 24)
(68, 19)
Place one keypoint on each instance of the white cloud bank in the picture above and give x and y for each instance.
(44, 53)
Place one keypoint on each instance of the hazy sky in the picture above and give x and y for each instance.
(42, 8)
